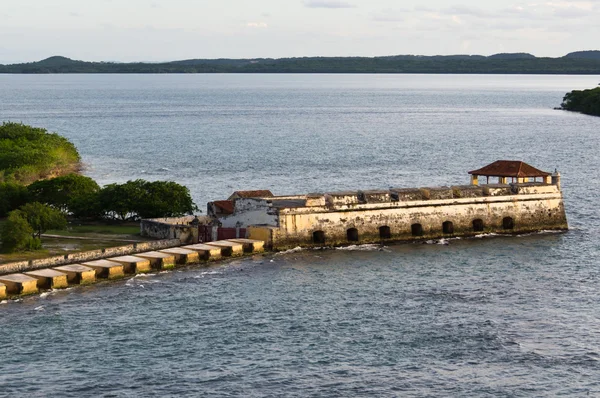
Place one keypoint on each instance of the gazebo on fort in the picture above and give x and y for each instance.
(517, 170)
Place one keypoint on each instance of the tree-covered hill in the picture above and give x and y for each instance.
(584, 55)
(582, 62)
(28, 154)
(584, 101)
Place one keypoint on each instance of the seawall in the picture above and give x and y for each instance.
(32, 265)
(350, 218)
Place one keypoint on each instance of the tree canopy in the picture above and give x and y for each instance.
(16, 232)
(24, 227)
(28, 154)
(42, 217)
(62, 192)
(584, 101)
(146, 199)
(12, 196)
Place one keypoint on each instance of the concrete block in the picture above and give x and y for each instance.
(159, 259)
(133, 264)
(228, 248)
(2, 291)
(49, 278)
(78, 274)
(182, 256)
(250, 245)
(19, 284)
(106, 269)
(205, 252)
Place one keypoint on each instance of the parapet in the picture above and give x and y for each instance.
(467, 191)
(406, 194)
(437, 193)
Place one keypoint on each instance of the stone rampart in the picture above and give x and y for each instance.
(90, 255)
(442, 212)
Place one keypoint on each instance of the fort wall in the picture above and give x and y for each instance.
(440, 212)
(171, 228)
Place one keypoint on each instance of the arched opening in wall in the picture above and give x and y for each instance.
(416, 230)
(478, 225)
(385, 232)
(508, 223)
(448, 227)
(352, 234)
(319, 237)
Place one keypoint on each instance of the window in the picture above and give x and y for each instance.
(385, 232)
(416, 230)
(319, 237)
(352, 234)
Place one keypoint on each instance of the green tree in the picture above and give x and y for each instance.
(12, 196)
(86, 206)
(16, 232)
(120, 201)
(140, 198)
(62, 192)
(42, 217)
(584, 101)
(165, 199)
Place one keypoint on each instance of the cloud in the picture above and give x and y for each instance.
(257, 25)
(469, 11)
(327, 4)
(387, 18)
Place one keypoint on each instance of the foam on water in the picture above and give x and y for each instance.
(480, 317)
(363, 248)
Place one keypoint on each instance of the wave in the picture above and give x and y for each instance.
(363, 248)
(294, 250)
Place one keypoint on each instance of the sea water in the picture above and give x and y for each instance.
(488, 316)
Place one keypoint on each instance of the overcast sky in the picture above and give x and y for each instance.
(158, 30)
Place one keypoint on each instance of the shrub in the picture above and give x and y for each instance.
(16, 232)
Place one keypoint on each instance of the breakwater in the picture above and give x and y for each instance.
(87, 267)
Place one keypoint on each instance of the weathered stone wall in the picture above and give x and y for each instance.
(528, 212)
(79, 257)
(250, 211)
(169, 228)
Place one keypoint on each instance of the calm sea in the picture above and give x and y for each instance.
(495, 316)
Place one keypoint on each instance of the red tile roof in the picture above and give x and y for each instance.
(509, 168)
(226, 206)
(260, 193)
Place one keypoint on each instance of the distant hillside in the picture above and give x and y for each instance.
(512, 56)
(584, 55)
(582, 62)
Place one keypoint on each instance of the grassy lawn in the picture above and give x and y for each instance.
(99, 229)
(59, 247)
(97, 236)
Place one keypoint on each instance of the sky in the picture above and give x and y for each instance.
(164, 30)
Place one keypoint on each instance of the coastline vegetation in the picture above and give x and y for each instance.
(584, 101)
(28, 154)
(40, 190)
(579, 62)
